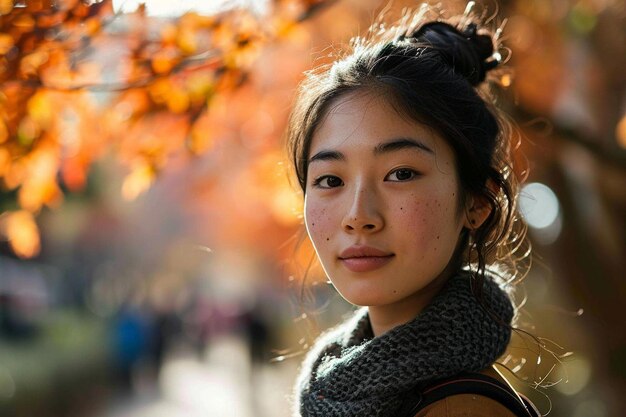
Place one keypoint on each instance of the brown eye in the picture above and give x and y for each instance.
(328, 181)
(402, 174)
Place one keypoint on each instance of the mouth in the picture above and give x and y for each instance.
(362, 251)
(366, 263)
(364, 258)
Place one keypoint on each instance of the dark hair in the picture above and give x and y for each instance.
(434, 72)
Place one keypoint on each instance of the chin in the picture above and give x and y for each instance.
(367, 298)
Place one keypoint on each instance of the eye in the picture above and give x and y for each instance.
(401, 174)
(327, 181)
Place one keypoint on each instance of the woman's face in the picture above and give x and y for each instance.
(382, 204)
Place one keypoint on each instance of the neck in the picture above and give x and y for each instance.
(347, 363)
(386, 317)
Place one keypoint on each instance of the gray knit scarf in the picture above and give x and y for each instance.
(351, 373)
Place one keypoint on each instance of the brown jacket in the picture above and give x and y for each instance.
(468, 405)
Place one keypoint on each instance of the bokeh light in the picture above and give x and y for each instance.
(541, 210)
(575, 375)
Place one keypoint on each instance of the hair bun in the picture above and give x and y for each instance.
(468, 53)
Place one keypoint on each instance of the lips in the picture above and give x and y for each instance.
(359, 251)
(364, 258)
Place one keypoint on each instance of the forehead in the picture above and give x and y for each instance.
(362, 120)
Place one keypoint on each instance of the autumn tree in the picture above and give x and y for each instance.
(78, 80)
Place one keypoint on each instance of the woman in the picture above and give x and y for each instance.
(410, 202)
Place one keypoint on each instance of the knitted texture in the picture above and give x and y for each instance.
(348, 372)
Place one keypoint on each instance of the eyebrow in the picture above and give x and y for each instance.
(401, 144)
(393, 145)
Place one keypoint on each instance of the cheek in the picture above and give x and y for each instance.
(319, 222)
(429, 222)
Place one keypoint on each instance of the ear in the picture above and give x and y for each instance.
(478, 209)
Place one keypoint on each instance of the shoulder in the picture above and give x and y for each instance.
(465, 405)
(468, 405)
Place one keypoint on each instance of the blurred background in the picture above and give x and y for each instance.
(151, 246)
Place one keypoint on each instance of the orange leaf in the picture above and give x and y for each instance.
(168, 34)
(40, 109)
(201, 136)
(28, 131)
(6, 43)
(131, 103)
(31, 63)
(39, 186)
(33, 6)
(159, 90)
(138, 181)
(74, 174)
(15, 174)
(5, 161)
(177, 101)
(33, 194)
(23, 234)
(24, 22)
(80, 9)
(186, 41)
(6, 6)
(199, 87)
(93, 26)
(50, 20)
(164, 60)
(4, 132)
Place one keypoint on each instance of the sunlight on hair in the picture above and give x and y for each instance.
(541, 210)
(177, 8)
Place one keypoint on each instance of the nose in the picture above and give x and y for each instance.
(363, 213)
